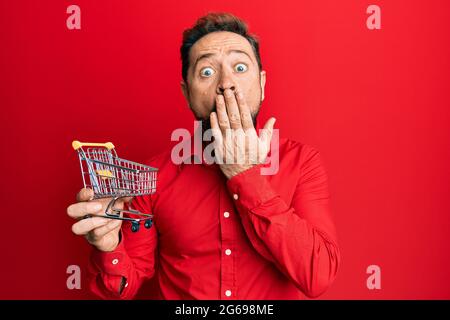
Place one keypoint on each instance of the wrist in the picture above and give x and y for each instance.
(233, 170)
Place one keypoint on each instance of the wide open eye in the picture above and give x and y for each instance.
(241, 67)
(207, 72)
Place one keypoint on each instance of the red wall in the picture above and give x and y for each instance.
(374, 102)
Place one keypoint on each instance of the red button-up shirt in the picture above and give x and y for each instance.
(250, 237)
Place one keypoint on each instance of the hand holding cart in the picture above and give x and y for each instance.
(110, 176)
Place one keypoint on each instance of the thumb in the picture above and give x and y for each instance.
(125, 201)
(85, 194)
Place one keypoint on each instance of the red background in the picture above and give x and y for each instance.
(375, 103)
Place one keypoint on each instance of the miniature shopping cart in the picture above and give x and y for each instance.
(112, 177)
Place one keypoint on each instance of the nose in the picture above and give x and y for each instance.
(225, 82)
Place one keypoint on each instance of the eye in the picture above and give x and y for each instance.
(207, 72)
(241, 67)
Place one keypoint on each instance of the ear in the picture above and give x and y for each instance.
(262, 83)
(185, 91)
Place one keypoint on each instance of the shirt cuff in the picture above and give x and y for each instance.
(115, 263)
(250, 188)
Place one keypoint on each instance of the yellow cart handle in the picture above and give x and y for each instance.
(77, 145)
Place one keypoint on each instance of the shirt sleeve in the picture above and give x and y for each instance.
(120, 273)
(299, 238)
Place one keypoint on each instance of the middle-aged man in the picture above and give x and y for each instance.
(221, 230)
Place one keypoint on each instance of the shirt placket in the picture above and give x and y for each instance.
(228, 289)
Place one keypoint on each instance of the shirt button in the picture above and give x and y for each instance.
(226, 214)
(228, 293)
(235, 196)
(126, 284)
(115, 261)
(228, 252)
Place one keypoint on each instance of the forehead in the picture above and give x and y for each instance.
(220, 42)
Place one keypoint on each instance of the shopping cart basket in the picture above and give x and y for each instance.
(112, 177)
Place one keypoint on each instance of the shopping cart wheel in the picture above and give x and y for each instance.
(148, 224)
(135, 226)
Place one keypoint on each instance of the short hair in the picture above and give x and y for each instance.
(212, 22)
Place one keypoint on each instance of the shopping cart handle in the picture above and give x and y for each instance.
(133, 211)
(77, 145)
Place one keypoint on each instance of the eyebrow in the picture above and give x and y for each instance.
(210, 54)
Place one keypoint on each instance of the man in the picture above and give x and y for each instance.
(221, 230)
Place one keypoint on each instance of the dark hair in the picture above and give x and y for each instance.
(216, 21)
